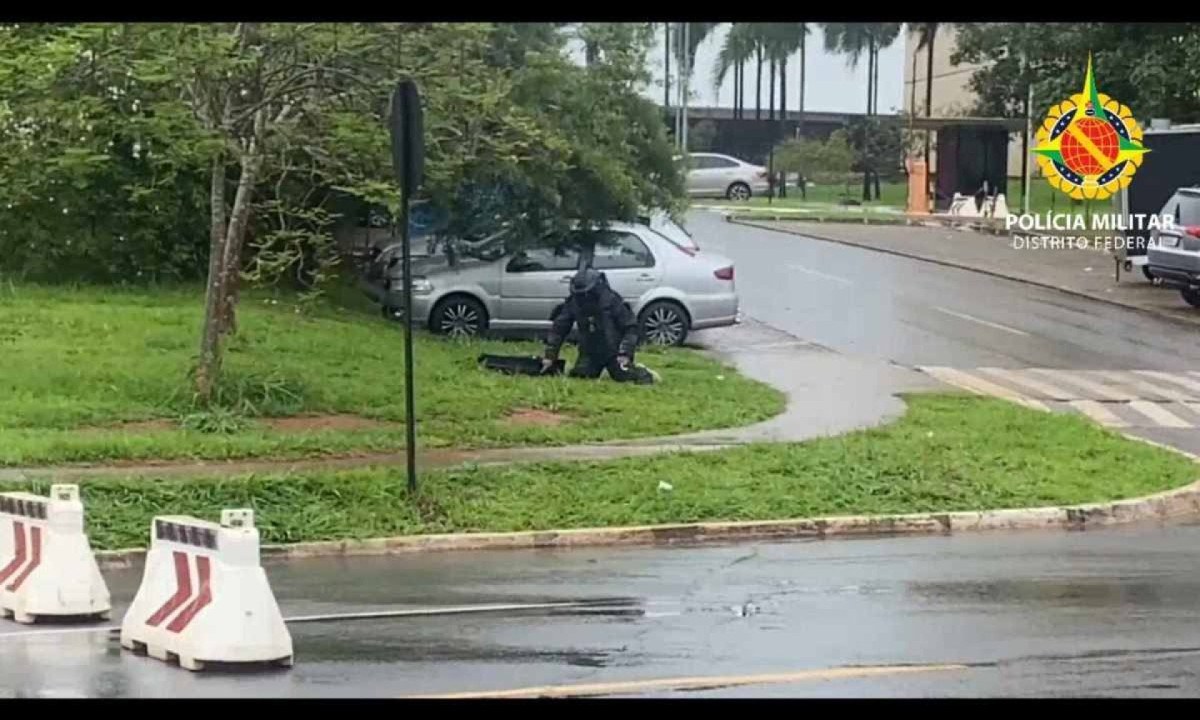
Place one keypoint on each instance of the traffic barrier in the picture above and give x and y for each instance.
(47, 568)
(204, 596)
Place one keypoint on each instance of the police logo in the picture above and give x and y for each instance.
(1089, 146)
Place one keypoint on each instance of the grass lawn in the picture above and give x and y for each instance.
(948, 452)
(822, 201)
(79, 362)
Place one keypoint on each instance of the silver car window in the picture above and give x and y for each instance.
(543, 260)
(619, 250)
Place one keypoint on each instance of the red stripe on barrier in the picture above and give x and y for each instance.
(202, 600)
(18, 559)
(183, 590)
(35, 536)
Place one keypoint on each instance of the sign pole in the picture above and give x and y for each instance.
(408, 161)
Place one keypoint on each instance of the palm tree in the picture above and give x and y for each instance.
(735, 51)
(852, 40)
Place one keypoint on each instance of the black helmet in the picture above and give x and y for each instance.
(585, 281)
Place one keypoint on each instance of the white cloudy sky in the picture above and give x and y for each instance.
(832, 85)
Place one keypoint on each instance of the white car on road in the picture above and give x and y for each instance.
(722, 176)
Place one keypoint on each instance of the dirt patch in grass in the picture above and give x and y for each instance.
(297, 424)
(535, 417)
(137, 426)
(307, 423)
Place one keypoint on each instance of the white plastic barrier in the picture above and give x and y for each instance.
(47, 568)
(1000, 207)
(964, 206)
(204, 596)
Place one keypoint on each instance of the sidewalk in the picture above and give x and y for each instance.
(828, 394)
(1088, 273)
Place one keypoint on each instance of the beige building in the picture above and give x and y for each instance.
(952, 94)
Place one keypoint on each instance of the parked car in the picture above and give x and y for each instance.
(1173, 254)
(672, 288)
(713, 175)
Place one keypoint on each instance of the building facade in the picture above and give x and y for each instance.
(952, 94)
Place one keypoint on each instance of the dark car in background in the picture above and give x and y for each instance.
(1173, 253)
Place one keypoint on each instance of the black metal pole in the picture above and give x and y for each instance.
(410, 416)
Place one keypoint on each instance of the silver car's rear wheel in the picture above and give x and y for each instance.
(738, 191)
(459, 317)
(664, 323)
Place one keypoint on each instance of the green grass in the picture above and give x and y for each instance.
(947, 453)
(823, 201)
(79, 357)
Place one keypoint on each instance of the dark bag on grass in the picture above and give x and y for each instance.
(519, 365)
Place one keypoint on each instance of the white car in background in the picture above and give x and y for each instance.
(722, 176)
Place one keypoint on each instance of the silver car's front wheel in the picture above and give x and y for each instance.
(664, 323)
(738, 191)
(459, 317)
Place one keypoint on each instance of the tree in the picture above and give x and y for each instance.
(737, 48)
(1150, 67)
(272, 126)
(853, 40)
(829, 160)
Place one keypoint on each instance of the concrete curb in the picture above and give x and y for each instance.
(1171, 503)
(1184, 319)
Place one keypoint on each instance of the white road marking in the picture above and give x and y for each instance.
(1145, 387)
(980, 386)
(1102, 392)
(1178, 379)
(988, 323)
(1098, 412)
(696, 683)
(376, 615)
(833, 278)
(1020, 377)
(1159, 414)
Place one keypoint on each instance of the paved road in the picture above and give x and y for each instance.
(916, 314)
(1045, 614)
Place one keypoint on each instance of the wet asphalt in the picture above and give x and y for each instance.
(911, 312)
(1043, 614)
(1040, 614)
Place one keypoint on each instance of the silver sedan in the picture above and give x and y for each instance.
(671, 286)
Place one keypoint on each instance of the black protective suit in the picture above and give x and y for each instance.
(607, 330)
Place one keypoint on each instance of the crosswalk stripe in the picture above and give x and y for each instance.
(980, 386)
(1098, 412)
(1144, 387)
(1053, 392)
(1159, 414)
(1102, 391)
(1179, 379)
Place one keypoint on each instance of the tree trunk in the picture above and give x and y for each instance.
(771, 92)
(235, 237)
(666, 66)
(737, 90)
(866, 184)
(209, 364)
(800, 124)
(758, 89)
(783, 89)
(875, 102)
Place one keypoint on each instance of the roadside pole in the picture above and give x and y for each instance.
(408, 162)
(1028, 166)
(686, 76)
